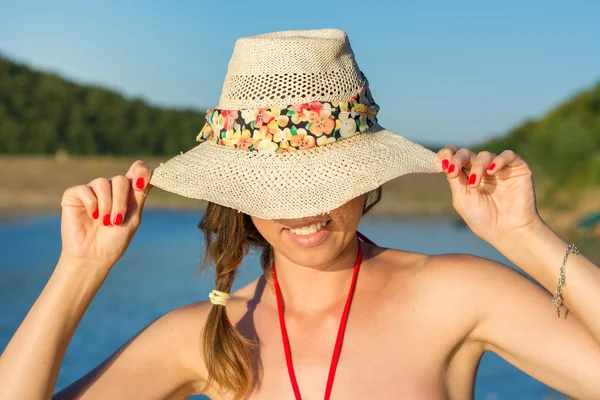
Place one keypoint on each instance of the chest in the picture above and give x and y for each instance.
(384, 355)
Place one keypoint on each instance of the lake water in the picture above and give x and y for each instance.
(158, 274)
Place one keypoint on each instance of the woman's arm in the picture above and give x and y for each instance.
(163, 361)
(515, 318)
(30, 363)
(97, 224)
(518, 321)
(539, 251)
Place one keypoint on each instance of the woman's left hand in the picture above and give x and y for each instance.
(494, 194)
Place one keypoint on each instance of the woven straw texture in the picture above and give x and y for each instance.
(297, 184)
(284, 68)
(290, 67)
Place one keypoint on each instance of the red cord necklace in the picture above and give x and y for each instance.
(340, 336)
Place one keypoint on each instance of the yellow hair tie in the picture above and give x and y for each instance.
(219, 298)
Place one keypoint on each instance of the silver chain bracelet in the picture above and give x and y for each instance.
(557, 300)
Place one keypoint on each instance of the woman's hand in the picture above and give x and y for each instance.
(99, 219)
(494, 194)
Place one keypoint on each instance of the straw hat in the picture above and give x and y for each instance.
(295, 133)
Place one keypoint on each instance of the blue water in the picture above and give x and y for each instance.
(158, 274)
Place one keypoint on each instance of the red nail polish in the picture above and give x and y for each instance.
(472, 179)
(95, 214)
(444, 164)
(106, 220)
(491, 167)
(139, 183)
(451, 169)
(118, 219)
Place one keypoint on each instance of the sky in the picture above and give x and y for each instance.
(442, 71)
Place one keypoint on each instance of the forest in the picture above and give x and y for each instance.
(42, 113)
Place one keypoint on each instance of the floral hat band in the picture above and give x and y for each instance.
(278, 129)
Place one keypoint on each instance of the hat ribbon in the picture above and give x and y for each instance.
(280, 129)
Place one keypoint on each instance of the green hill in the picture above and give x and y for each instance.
(562, 147)
(42, 113)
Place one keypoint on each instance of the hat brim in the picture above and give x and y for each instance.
(297, 184)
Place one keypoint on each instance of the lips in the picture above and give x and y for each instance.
(308, 235)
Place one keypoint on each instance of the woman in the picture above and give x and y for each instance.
(419, 323)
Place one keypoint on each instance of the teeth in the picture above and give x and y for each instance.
(310, 229)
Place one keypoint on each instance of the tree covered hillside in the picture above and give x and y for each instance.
(43, 113)
(564, 145)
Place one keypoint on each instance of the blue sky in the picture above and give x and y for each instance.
(442, 71)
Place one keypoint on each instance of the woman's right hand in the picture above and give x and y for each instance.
(99, 219)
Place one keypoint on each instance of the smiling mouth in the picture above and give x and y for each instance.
(309, 229)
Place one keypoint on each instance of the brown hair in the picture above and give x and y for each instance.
(228, 236)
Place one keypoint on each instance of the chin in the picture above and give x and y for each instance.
(315, 257)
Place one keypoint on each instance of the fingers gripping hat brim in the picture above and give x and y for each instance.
(296, 184)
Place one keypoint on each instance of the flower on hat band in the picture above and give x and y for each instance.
(279, 129)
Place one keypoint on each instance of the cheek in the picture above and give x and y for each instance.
(348, 216)
(269, 229)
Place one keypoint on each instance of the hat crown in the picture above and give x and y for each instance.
(290, 67)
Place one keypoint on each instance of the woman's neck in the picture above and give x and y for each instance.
(316, 288)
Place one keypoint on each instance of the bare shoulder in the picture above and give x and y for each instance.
(164, 360)
(451, 281)
(389, 261)
(440, 271)
(474, 274)
(467, 265)
(180, 332)
(486, 291)
(468, 277)
(185, 324)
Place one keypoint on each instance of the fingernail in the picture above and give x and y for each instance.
(472, 179)
(95, 214)
(491, 167)
(118, 219)
(139, 183)
(106, 220)
(451, 169)
(444, 164)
